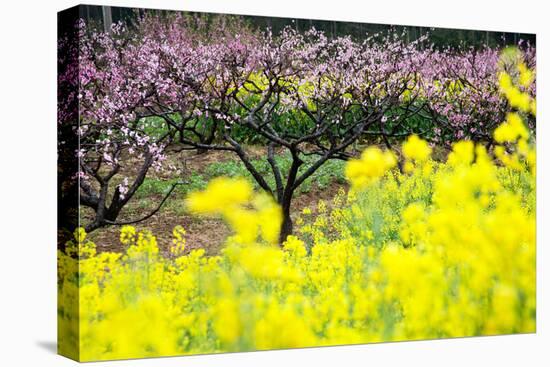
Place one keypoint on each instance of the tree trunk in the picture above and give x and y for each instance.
(286, 226)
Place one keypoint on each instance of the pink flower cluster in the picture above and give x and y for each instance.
(163, 68)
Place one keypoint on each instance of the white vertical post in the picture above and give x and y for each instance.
(107, 18)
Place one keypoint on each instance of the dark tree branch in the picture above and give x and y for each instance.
(153, 212)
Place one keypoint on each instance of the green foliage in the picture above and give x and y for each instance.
(157, 187)
(380, 206)
(155, 127)
(331, 171)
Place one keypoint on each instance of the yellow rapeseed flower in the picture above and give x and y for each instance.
(462, 153)
(372, 164)
(511, 130)
(416, 149)
(221, 194)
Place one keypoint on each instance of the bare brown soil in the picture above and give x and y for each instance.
(208, 233)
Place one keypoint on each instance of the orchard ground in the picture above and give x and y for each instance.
(196, 170)
(207, 232)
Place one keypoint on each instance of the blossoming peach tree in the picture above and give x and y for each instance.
(299, 93)
(113, 80)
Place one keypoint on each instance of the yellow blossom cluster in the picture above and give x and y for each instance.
(401, 256)
(417, 152)
(511, 130)
(416, 149)
(251, 214)
(372, 165)
(515, 83)
(516, 145)
(446, 256)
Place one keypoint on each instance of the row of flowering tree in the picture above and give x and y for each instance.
(299, 93)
